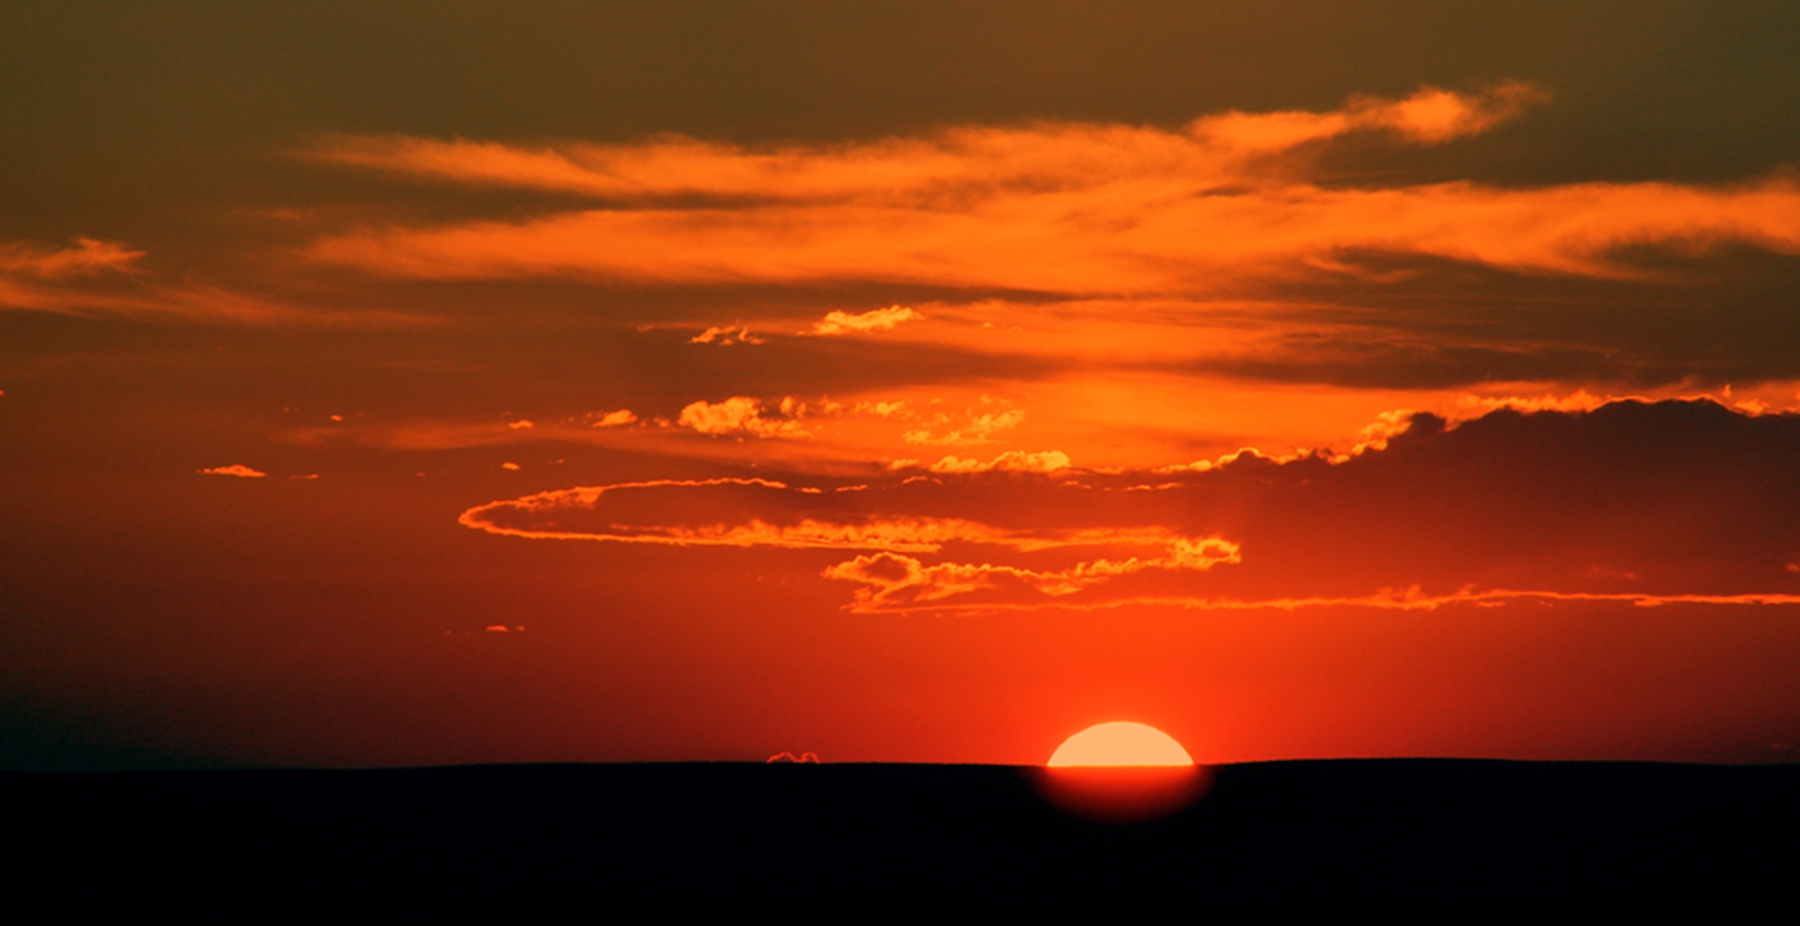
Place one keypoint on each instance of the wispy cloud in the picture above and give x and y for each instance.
(1072, 209)
(106, 278)
(937, 169)
(723, 336)
(88, 257)
(1012, 461)
(1647, 504)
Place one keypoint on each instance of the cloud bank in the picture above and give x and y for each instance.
(1654, 504)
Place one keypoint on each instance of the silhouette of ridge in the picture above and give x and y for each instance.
(531, 839)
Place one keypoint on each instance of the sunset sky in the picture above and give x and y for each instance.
(447, 382)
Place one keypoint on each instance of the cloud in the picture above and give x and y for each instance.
(751, 512)
(88, 257)
(739, 414)
(722, 336)
(613, 419)
(1669, 503)
(1077, 210)
(979, 428)
(1430, 116)
(1015, 461)
(896, 582)
(101, 277)
(872, 320)
(934, 170)
(235, 469)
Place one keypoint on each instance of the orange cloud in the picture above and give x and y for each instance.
(894, 582)
(937, 169)
(739, 414)
(858, 529)
(235, 469)
(1430, 116)
(1408, 599)
(1070, 209)
(613, 419)
(872, 320)
(87, 258)
(978, 430)
(97, 277)
(1676, 502)
(1017, 461)
(1140, 240)
(733, 335)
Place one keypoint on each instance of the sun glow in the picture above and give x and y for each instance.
(1120, 743)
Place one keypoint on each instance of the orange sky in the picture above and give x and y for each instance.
(408, 384)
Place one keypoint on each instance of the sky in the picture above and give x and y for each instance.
(428, 383)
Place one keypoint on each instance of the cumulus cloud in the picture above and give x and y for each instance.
(872, 320)
(235, 469)
(741, 415)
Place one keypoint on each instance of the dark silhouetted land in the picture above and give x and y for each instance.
(516, 840)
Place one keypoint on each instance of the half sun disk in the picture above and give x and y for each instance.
(1120, 743)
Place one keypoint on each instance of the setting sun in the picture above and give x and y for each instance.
(1120, 743)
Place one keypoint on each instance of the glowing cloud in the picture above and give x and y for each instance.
(1064, 208)
(941, 168)
(894, 582)
(978, 430)
(722, 336)
(88, 257)
(235, 469)
(1016, 461)
(872, 320)
(1645, 504)
(613, 419)
(738, 414)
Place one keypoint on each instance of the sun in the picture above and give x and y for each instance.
(1120, 743)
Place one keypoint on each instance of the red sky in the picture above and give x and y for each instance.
(412, 383)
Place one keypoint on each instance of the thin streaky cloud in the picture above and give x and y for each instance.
(88, 257)
(940, 167)
(1408, 599)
